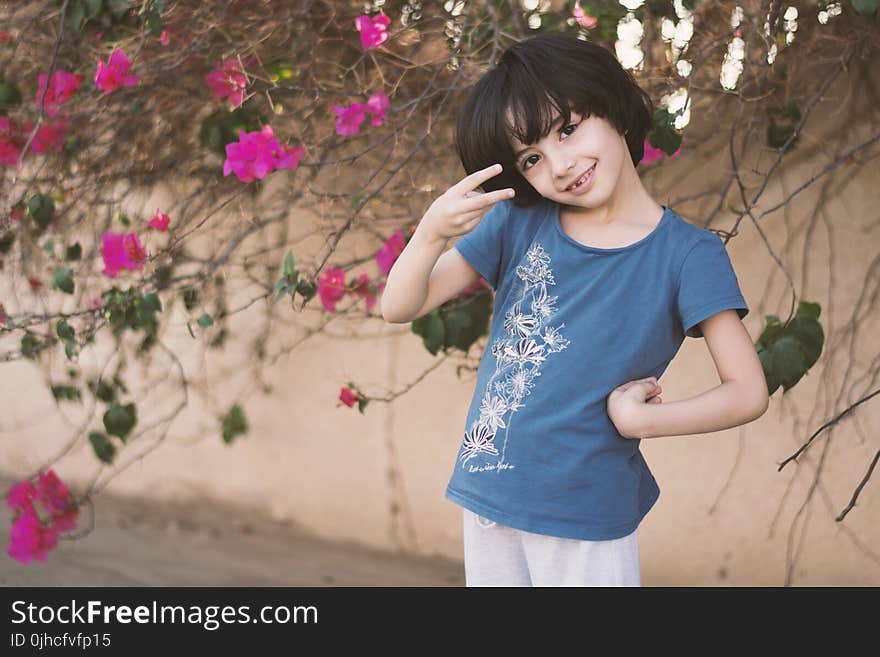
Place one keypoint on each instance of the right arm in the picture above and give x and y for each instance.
(419, 281)
(421, 278)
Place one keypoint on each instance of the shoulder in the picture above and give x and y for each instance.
(515, 221)
(689, 237)
(689, 232)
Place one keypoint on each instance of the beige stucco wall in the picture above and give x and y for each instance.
(725, 515)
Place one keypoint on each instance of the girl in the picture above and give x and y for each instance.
(596, 286)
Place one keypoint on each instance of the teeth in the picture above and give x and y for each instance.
(581, 179)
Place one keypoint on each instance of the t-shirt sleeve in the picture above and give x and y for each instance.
(707, 285)
(486, 246)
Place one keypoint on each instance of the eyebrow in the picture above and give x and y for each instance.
(523, 150)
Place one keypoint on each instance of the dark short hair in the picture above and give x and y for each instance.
(533, 77)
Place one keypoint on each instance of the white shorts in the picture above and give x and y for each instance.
(496, 555)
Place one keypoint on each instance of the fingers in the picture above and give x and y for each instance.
(654, 389)
(477, 178)
(480, 201)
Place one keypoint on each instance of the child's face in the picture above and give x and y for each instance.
(558, 159)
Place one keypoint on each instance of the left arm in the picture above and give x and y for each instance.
(741, 397)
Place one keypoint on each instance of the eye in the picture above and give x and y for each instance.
(526, 160)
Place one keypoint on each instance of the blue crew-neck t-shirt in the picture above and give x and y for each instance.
(570, 323)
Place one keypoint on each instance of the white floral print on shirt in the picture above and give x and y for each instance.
(519, 350)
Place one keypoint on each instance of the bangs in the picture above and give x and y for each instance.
(534, 109)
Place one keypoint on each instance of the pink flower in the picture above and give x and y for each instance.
(470, 289)
(349, 118)
(50, 136)
(3, 317)
(56, 499)
(11, 142)
(583, 19)
(163, 38)
(112, 75)
(258, 153)
(391, 249)
(21, 496)
(288, 158)
(373, 30)
(653, 154)
(377, 105)
(159, 221)
(53, 492)
(362, 289)
(29, 539)
(121, 252)
(347, 397)
(228, 81)
(62, 88)
(331, 287)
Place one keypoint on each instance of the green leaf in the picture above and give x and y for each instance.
(29, 344)
(73, 252)
(467, 321)
(119, 7)
(356, 199)
(102, 390)
(807, 309)
(104, 449)
(306, 288)
(781, 125)
(289, 269)
(119, 420)
(10, 96)
(92, 7)
(64, 330)
(151, 303)
(773, 382)
(788, 352)
(809, 334)
(663, 134)
(63, 392)
(234, 424)
(41, 208)
(663, 8)
(6, 241)
(866, 7)
(221, 127)
(76, 14)
(154, 21)
(205, 320)
(62, 279)
(432, 330)
(190, 298)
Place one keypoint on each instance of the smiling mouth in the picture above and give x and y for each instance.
(584, 175)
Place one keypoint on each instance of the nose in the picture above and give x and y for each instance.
(562, 168)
